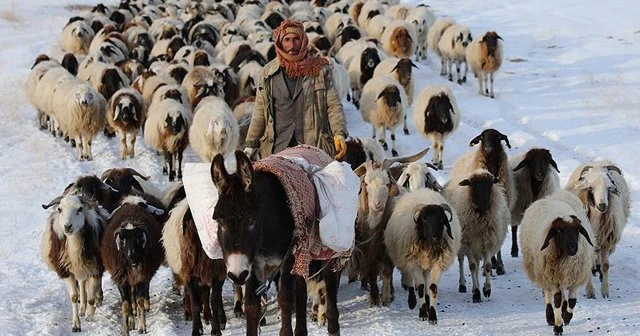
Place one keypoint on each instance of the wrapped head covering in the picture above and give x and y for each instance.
(296, 65)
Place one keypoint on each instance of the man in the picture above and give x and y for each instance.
(296, 101)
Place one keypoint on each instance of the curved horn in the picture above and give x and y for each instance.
(430, 165)
(136, 173)
(447, 208)
(53, 202)
(614, 168)
(416, 211)
(386, 163)
(106, 173)
(584, 170)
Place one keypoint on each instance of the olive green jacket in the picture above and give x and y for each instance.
(323, 113)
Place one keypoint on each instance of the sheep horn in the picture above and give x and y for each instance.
(506, 140)
(498, 37)
(416, 211)
(447, 208)
(386, 163)
(105, 174)
(136, 173)
(614, 168)
(430, 165)
(363, 168)
(55, 201)
(584, 170)
(414, 65)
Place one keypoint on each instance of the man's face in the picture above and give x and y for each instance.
(291, 44)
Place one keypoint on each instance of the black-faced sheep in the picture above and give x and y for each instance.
(604, 193)
(91, 187)
(132, 253)
(422, 239)
(452, 46)
(401, 70)
(484, 217)
(71, 248)
(125, 116)
(214, 129)
(361, 59)
(484, 57)
(535, 175)
(436, 115)
(129, 181)
(383, 104)
(361, 150)
(554, 256)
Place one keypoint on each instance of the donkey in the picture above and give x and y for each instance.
(256, 233)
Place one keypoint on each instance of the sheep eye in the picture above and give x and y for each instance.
(79, 209)
(59, 210)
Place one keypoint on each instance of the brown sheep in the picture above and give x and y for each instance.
(124, 115)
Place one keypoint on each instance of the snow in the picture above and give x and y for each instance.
(570, 83)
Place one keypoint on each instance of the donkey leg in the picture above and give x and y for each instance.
(196, 305)
(332, 280)
(218, 317)
(286, 297)
(252, 307)
(301, 306)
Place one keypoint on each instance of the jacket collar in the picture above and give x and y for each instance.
(271, 67)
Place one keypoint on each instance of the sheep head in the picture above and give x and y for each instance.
(431, 221)
(174, 122)
(416, 175)
(480, 183)
(390, 96)
(131, 239)
(401, 41)
(85, 95)
(440, 106)
(490, 39)
(71, 211)
(123, 179)
(403, 69)
(537, 161)
(597, 185)
(564, 232)
(491, 140)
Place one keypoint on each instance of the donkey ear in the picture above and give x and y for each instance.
(551, 234)
(219, 174)
(244, 170)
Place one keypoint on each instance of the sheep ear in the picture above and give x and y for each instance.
(414, 65)
(219, 174)
(550, 234)
(380, 95)
(582, 230)
(506, 140)
(144, 239)
(393, 189)
(53, 202)
(554, 165)
(245, 170)
(464, 183)
(416, 212)
(498, 37)
(521, 165)
(475, 140)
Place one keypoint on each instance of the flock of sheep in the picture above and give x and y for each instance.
(186, 73)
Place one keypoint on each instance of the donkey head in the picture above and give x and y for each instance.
(236, 215)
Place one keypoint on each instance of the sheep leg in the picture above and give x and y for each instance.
(194, 289)
(383, 138)
(394, 152)
(387, 280)
(458, 78)
(332, 281)
(434, 279)
(466, 70)
(405, 129)
(180, 165)
(485, 78)
(123, 144)
(548, 308)
(127, 316)
(132, 145)
(237, 301)
(567, 307)
(92, 287)
(186, 304)
(142, 322)
(443, 69)
(499, 265)
(473, 268)
(99, 294)
(491, 83)
(72, 289)
(408, 283)
(165, 164)
(219, 319)
(79, 148)
(480, 77)
(372, 276)
(462, 288)
(450, 69)
(82, 284)
(557, 312)
(439, 149)
(86, 145)
(486, 289)
(168, 160)
(514, 241)
(604, 286)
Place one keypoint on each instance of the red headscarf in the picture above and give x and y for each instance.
(296, 65)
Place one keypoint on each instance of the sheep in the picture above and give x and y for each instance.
(360, 150)
(416, 175)
(436, 115)
(91, 187)
(76, 37)
(227, 79)
(435, 34)
(604, 193)
(125, 116)
(383, 105)
(422, 19)
(452, 45)
(368, 10)
(132, 253)
(40, 67)
(200, 82)
(422, 239)
(360, 59)
(214, 130)
(399, 39)
(484, 58)
(70, 247)
(166, 130)
(81, 111)
(348, 33)
(167, 46)
(377, 26)
(535, 175)
(340, 78)
(334, 25)
(193, 268)
(249, 78)
(484, 216)
(400, 69)
(554, 257)
(398, 12)
(130, 182)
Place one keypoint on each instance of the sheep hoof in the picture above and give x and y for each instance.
(464, 79)
(364, 287)
(514, 252)
(492, 96)
(412, 299)
(450, 78)
(423, 313)
(406, 131)
(394, 153)
(486, 292)
(216, 333)
(460, 82)
(500, 270)
(557, 330)
(566, 316)
(549, 314)
(75, 329)
(462, 289)
(384, 145)
(476, 296)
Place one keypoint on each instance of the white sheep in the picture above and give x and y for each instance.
(125, 116)
(81, 112)
(433, 38)
(214, 129)
(369, 10)
(484, 57)
(604, 193)
(436, 115)
(165, 130)
(535, 175)
(41, 66)
(452, 45)
(554, 256)
(377, 26)
(484, 217)
(361, 66)
(417, 175)
(422, 239)
(340, 79)
(76, 37)
(399, 39)
(383, 104)
(249, 76)
(422, 19)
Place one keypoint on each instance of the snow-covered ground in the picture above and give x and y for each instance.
(570, 83)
